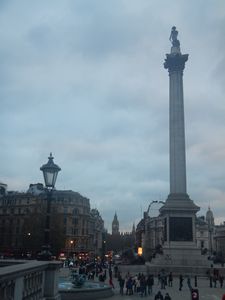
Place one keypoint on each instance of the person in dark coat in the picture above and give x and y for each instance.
(121, 284)
(159, 296)
(167, 297)
(170, 279)
(181, 279)
(150, 283)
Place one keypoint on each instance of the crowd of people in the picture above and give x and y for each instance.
(142, 284)
(215, 278)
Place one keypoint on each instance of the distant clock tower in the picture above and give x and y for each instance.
(115, 225)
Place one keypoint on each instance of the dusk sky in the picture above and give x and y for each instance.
(84, 79)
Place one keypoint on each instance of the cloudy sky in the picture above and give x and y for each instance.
(85, 80)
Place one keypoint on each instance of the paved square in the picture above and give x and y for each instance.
(205, 292)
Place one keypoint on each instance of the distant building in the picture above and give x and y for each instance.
(36, 189)
(74, 227)
(205, 232)
(115, 225)
(202, 234)
(219, 240)
(96, 231)
(3, 189)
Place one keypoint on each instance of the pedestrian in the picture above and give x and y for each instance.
(170, 279)
(163, 279)
(111, 283)
(121, 284)
(150, 283)
(129, 286)
(137, 284)
(159, 279)
(189, 282)
(181, 279)
(159, 296)
(221, 279)
(143, 286)
(167, 297)
(214, 280)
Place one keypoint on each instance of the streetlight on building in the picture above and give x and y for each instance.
(71, 247)
(50, 172)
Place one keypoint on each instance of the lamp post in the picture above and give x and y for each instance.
(50, 172)
(103, 246)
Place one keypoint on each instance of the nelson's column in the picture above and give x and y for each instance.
(179, 211)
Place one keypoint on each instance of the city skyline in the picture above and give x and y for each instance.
(85, 81)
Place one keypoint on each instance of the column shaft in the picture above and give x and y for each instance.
(177, 134)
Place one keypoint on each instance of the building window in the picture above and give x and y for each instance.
(76, 211)
(74, 221)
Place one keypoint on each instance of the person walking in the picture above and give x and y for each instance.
(150, 283)
(189, 282)
(167, 297)
(181, 279)
(121, 284)
(221, 279)
(210, 281)
(214, 280)
(170, 279)
(111, 283)
(159, 296)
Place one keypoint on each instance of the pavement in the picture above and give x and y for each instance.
(205, 292)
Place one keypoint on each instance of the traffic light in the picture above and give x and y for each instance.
(194, 294)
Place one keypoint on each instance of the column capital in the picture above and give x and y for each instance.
(175, 62)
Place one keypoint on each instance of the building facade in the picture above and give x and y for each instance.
(73, 228)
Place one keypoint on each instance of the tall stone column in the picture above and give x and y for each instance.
(179, 210)
(178, 214)
(175, 63)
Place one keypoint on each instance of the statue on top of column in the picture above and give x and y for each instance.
(173, 37)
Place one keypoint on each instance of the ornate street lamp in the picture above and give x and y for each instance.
(50, 172)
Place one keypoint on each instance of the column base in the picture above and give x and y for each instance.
(176, 202)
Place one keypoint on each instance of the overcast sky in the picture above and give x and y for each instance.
(84, 79)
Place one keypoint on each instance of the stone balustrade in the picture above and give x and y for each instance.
(29, 280)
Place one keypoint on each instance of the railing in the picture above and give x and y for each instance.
(29, 280)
